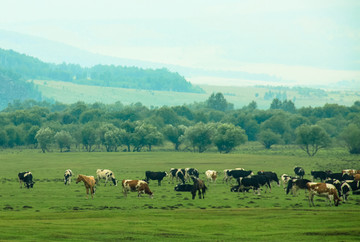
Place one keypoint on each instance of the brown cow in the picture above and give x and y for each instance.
(199, 186)
(323, 189)
(89, 182)
(139, 186)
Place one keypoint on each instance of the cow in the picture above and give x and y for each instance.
(238, 173)
(324, 190)
(211, 175)
(26, 178)
(348, 186)
(340, 176)
(138, 186)
(350, 172)
(67, 176)
(191, 172)
(180, 176)
(253, 182)
(299, 171)
(285, 178)
(173, 172)
(272, 176)
(337, 184)
(199, 186)
(151, 175)
(183, 187)
(239, 188)
(90, 184)
(322, 175)
(105, 174)
(228, 178)
(295, 184)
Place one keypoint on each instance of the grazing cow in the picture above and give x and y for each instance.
(228, 178)
(138, 186)
(211, 175)
(324, 190)
(105, 174)
(239, 173)
(26, 178)
(337, 184)
(67, 176)
(172, 174)
(191, 172)
(340, 176)
(322, 175)
(299, 171)
(199, 185)
(254, 183)
(180, 176)
(183, 187)
(295, 184)
(89, 182)
(272, 176)
(285, 178)
(151, 175)
(348, 186)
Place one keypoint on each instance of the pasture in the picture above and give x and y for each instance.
(53, 211)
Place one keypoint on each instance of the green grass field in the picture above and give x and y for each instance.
(52, 211)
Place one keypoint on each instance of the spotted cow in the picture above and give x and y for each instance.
(67, 177)
(324, 190)
(26, 178)
(138, 186)
(105, 174)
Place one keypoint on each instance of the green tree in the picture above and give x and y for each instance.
(312, 138)
(268, 138)
(63, 139)
(199, 136)
(228, 136)
(351, 136)
(174, 134)
(146, 135)
(218, 102)
(3, 138)
(89, 137)
(45, 137)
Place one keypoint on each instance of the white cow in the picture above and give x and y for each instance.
(105, 174)
(211, 175)
(67, 176)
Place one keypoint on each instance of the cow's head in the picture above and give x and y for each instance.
(114, 181)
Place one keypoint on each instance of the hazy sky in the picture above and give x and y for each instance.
(303, 41)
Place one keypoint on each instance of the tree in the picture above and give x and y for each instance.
(146, 135)
(218, 102)
(312, 138)
(351, 136)
(3, 138)
(174, 134)
(199, 136)
(63, 139)
(44, 137)
(269, 138)
(228, 136)
(89, 137)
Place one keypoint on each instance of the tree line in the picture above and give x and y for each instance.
(195, 127)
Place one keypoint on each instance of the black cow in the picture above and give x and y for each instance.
(348, 186)
(183, 187)
(340, 176)
(26, 178)
(155, 175)
(254, 183)
(272, 176)
(299, 171)
(238, 173)
(199, 186)
(322, 175)
(296, 184)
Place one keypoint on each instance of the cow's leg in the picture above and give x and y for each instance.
(20, 183)
(87, 193)
(199, 193)
(311, 199)
(159, 182)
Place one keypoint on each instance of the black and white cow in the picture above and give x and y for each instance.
(155, 175)
(340, 176)
(67, 176)
(105, 174)
(322, 175)
(238, 174)
(180, 176)
(191, 172)
(253, 182)
(348, 186)
(173, 172)
(285, 178)
(26, 178)
(295, 184)
(272, 176)
(183, 187)
(299, 171)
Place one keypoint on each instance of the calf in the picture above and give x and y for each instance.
(151, 175)
(325, 190)
(138, 186)
(299, 171)
(26, 178)
(322, 175)
(183, 187)
(295, 184)
(211, 175)
(67, 176)
(271, 176)
(199, 186)
(348, 186)
(105, 174)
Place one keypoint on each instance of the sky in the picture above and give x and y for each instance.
(302, 42)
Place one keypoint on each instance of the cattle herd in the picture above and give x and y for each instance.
(335, 186)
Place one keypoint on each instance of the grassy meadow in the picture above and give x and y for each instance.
(52, 211)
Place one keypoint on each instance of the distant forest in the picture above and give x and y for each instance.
(28, 68)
